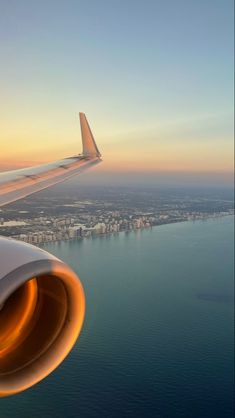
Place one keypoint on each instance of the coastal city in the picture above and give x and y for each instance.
(49, 217)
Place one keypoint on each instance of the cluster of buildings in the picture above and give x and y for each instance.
(44, 229)
(41, 229)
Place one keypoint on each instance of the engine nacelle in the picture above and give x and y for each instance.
(42, 308)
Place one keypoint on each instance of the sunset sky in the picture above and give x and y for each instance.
(155, 79)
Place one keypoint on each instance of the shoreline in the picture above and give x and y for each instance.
(107, 234)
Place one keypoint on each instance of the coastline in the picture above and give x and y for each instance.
(128, 231)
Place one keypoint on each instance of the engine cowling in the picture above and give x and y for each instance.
(42, 308)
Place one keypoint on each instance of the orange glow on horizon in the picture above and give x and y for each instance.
(122, 152)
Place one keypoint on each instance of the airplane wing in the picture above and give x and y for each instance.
(17, 184)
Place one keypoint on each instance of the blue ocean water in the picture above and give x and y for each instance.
(158, 334)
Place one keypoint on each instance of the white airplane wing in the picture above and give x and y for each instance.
(17, 184)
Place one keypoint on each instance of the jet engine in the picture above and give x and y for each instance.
(42, 308)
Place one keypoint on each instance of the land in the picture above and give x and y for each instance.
(75, 212)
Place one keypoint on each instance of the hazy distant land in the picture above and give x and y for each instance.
(70, 212)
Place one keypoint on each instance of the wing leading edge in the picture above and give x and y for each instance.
(17, 184)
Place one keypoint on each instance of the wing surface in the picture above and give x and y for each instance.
(17, 184)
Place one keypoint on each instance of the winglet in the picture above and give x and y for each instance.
(90, 148)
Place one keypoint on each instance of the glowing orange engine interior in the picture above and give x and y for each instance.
(15, 316)
(39, 323)
(30, 321)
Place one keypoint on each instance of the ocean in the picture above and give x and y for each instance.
(158, 335)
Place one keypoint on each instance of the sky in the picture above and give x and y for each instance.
(155, 79)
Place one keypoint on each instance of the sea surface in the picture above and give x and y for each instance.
(158, 335)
